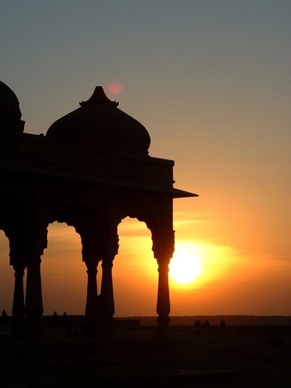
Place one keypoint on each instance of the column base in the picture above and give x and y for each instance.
(98, 328)
(33, 327)
(18, 327)
(163, 327)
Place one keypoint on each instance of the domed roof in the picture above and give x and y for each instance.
(99, 122)
(10, 114)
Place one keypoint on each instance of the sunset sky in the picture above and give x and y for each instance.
(211, 82)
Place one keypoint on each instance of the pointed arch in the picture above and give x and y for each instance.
(6, 275)
(85, 220)
(135, 269)
(63, 272)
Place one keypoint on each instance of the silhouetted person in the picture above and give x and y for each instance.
(65, 318)
(197, 324)
(206, 324)
(55, 318)
(67, 322)
(4, 318)
(222, 323)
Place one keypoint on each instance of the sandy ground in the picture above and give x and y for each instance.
(208, 357)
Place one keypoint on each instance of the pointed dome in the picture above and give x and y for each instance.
(101, 124)
(10, 114)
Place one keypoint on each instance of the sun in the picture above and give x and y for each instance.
(185, 266)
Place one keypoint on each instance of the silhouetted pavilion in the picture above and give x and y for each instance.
(90, 170)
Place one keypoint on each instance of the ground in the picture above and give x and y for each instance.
(245, 356)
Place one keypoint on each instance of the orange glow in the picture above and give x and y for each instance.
(196, 264)
(222, 279)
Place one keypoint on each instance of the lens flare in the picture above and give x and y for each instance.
(115, 88)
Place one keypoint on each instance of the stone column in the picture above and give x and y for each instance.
(107, 296)
(91, 257)
(163, 299)
(18, 308)
(18, 296)
(91, 310)
(109, 250)
(163, 248)
(34, 307)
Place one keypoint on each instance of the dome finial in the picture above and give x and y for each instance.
(99, 97)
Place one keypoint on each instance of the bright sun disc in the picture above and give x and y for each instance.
(185, 267)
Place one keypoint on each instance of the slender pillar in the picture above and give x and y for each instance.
(163, 248)
(109, 249)
(163, 300)
(107, 295)
(34, 307)
(18, 296)
(92, 296)
(91, 257)
(18, 301)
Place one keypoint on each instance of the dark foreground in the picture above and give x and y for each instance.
(255, 356)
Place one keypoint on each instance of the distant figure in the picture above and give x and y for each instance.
(197, 324)
(67, 322)
(55, 318)
(222, 323)
(4, 318)
(65, 318)
(206, 324)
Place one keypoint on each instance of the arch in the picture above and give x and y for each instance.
(135, 269)
(85, 220)
(63, 272)
(97, 244)
(14, 221)
(6, 275)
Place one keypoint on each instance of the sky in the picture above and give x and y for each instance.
(211, 82)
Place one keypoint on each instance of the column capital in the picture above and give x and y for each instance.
(107, 262)
(163, 246)
(91, 262)
(163, 265)
(19, 267)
